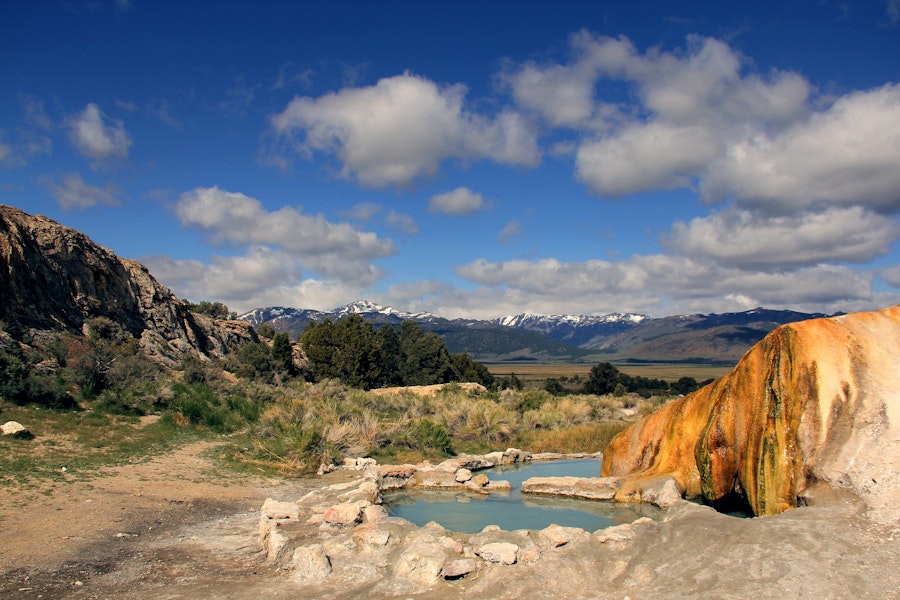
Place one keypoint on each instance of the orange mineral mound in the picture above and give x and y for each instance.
(814, 402)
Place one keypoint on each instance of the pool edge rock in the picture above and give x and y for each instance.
(340, 533)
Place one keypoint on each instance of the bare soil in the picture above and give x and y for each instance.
(176, 527)
(172, 527)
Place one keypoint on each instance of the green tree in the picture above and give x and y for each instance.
(283, 353)
(389, 356)
(266, 331)
(554, 386)
(216, 310)
(685, 385)
(511, 383)
(254, 361)
(603, 379)
(425, 359)
(467, 369)
(13, 375)
(347, 350)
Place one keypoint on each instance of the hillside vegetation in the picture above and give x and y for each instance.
(286, 414)
(104, 363)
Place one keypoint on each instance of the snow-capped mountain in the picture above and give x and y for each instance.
(528, 319)
(529, 336)
(574, 329)
(367, 307)
(278, 316)
(293, 320)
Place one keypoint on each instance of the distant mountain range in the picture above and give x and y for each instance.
(700, 338)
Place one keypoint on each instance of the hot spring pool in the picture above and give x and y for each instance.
(470, 513)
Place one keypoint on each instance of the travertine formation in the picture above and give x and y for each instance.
(815, 402)
(55, 279)
(340, 537)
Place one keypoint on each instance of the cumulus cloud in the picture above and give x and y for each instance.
(460, 202)
(97, 137)
(563, 95)
(261, 277)
(232, 217)
(691, 106)
(703, 119)
(73, 193)
(284, 257)
(645, 156)
(846, 154)
(639, 283)
(744, 238)
(400, 130)
(891, 275)
(402, 223)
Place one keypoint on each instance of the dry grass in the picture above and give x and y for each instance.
(580, 438)
(314, 423)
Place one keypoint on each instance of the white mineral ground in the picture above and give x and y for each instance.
(170, 528)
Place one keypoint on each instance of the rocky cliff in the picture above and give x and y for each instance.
(54, 278)
(814, 402)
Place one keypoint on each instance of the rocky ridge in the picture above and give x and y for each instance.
(56, 279)
(811, 409)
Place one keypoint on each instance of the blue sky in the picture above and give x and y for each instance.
(472, 159)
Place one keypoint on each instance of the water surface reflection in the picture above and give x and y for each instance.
(470, 513)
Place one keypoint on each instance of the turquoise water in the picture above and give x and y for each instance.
(470, 513)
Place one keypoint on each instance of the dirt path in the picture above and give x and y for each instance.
(175, 527)
(175, 520)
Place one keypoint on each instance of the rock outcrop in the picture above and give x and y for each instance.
(814, 403)
(55, 279)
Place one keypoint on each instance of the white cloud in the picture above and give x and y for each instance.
(400, 130)
(692, 105)
(657, 284)
(563, 95)
(847, 154)
(285, 257)
(74, 193)
(402, 223)
(235, 218)
(362, 212)
(645, 156)
(335, 251)
(460, 202)
(261, 277)
(891, 275)
(509, 231)
(98, 139)
(740, 237)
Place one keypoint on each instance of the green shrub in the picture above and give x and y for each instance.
(117, 402)
(197, 404)
(431, 436)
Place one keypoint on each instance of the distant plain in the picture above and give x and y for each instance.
(529, 372)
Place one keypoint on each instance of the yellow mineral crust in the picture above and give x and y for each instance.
(813, 402)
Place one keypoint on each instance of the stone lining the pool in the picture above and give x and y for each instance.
(342, 530)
